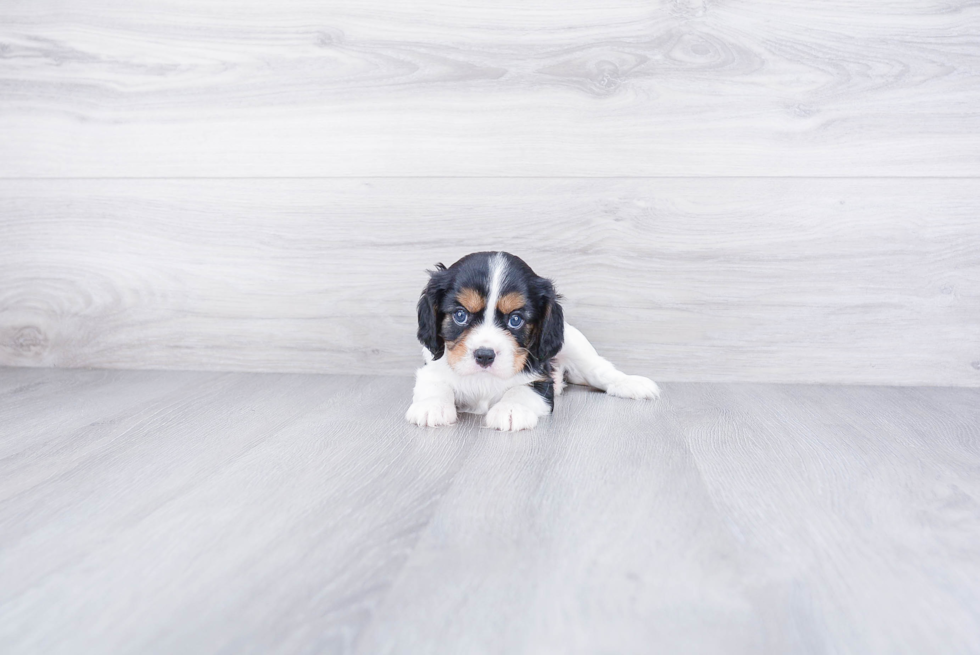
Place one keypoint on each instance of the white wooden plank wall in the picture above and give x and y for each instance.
(227, 88)
(723, 191)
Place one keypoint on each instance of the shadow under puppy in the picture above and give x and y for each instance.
(496, 343)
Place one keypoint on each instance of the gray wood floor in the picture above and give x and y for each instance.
(187, 512)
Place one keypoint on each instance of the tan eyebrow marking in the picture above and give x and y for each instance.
(471, 300)
(511, 301)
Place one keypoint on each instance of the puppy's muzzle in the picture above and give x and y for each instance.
(484, 356)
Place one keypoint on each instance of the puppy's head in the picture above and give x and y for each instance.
(489, 314)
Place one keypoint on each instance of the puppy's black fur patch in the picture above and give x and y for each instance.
(541, 335)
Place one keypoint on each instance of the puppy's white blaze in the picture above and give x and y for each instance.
(498, 266)
(487, 334)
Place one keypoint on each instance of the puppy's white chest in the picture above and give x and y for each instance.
(475, 406)
(476, 394)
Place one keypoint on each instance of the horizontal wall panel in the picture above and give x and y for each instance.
(835, 280)
(212, 88)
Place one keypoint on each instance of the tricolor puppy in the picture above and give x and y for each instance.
(496, 343)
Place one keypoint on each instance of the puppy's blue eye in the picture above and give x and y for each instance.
(515, 321)
(460, 316)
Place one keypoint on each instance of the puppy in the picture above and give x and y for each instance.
(496, 343)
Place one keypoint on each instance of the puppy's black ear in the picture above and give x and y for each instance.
(429, 315)
(550, 333)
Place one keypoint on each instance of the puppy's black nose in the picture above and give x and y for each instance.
(484, 356)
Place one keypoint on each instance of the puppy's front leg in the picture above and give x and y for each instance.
(518, 409)
(433, 402)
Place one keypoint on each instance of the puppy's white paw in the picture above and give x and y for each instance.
(431, 414)
(558, 377)
(511, 417)
(634, 386)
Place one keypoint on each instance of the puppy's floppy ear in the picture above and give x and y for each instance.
(550, 331)
(429, 314)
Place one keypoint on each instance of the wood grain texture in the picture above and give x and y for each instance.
(161, 512)
(193, 88)
(857, 281)
(229, 513)
(726, 519)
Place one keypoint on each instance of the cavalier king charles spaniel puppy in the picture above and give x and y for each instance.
(496, 343)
